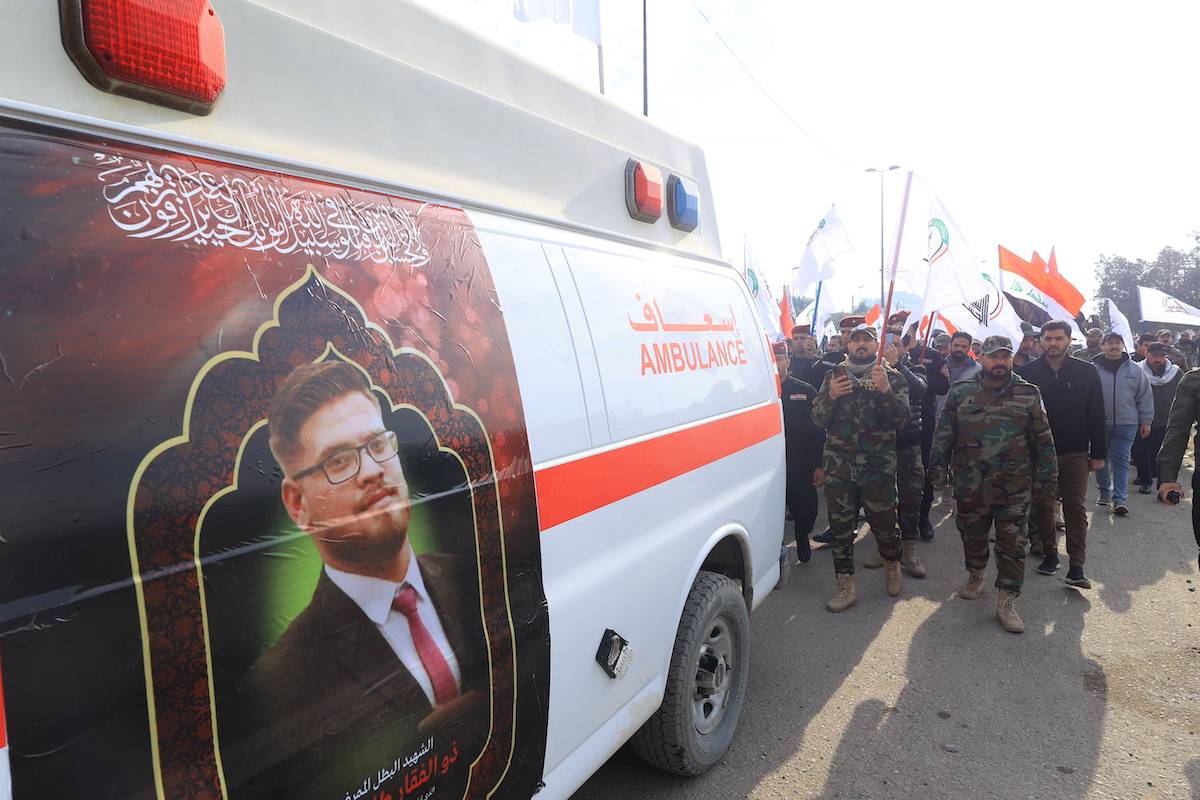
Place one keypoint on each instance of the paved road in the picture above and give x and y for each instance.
(926, 697)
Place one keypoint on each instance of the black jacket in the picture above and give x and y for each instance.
(1074, 403)
(910, 434)
(810, 370)
(804, 439)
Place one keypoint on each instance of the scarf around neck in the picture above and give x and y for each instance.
(1160, 380)
(858, 370)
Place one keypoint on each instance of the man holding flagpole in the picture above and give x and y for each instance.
(861, 405)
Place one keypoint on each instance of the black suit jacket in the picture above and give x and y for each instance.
(330, 702)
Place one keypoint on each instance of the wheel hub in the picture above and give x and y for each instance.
(715, 673)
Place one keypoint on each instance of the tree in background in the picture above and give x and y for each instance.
(1176, 272)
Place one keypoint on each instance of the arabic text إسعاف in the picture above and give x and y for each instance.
(655, 322)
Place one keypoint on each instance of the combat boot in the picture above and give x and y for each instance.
(891, 574)
(1006, 612)
(846, 595)
(874, 561)
(911, 561)
(974, 585)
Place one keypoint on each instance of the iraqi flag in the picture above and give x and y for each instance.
(1037, 292)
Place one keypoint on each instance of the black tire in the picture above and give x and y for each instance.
(673, 739)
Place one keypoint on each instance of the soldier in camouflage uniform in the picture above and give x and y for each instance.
(1185, 416)
(1094, 335)
(861, 405)
(995, 440)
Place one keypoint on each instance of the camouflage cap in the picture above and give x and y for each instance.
(1027, 329)
(941, 340)
(994, 344)
(864, 328)
(1164, 332)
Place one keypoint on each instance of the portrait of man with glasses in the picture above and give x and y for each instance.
(390, 651)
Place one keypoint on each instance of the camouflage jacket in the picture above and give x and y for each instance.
(996, 443)
(1177, 356)
(1185, 412)
(862, 425)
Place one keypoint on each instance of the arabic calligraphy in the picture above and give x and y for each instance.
(414, 771)
(260, 213)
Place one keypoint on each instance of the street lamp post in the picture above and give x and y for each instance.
(882, 269)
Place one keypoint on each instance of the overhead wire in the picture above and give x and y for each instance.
(759, 85)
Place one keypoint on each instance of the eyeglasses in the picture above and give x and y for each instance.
(344, 464)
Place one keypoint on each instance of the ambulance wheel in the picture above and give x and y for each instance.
(706, 684)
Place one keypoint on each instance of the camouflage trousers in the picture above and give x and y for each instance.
(847, 488)
(910, 486)
(975, 521)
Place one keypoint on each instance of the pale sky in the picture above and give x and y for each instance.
(1036, 123)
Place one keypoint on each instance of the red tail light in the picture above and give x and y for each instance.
(168, 52)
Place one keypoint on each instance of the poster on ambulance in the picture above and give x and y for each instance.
(270, 521)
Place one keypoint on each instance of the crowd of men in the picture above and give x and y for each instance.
(1015, 431)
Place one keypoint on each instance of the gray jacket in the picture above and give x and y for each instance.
(1127, 396)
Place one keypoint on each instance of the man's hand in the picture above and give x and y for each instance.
(880, 378)
(1144, 431)
(1095, 464)
(945, 372)
(840, 386)
(467, 704)
(818, 477)
(1169, 486)
(891, 353)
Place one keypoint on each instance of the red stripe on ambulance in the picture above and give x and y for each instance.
(574, 488)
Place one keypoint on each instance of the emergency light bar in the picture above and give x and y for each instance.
(643, 191)
(683, 203)
(167, 52)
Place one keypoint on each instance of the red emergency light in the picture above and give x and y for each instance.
(167, 52)
(643, 191)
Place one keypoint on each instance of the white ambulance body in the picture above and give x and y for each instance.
(650, 397)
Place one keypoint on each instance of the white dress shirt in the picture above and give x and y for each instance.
(374, 596)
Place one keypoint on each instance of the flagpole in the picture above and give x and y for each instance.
(645, 67)
(816, 307)
(887, 310)
(600, 64)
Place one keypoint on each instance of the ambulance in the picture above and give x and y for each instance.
(378, 415)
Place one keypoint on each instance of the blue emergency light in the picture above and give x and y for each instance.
(683, 203)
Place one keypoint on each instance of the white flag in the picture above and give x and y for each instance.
(768, 309)
(952, 274)
(1116, 322)
(582, 15)
(827, 242)
(990, 315)
(1161, 307)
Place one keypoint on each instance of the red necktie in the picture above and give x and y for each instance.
(444, 687)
